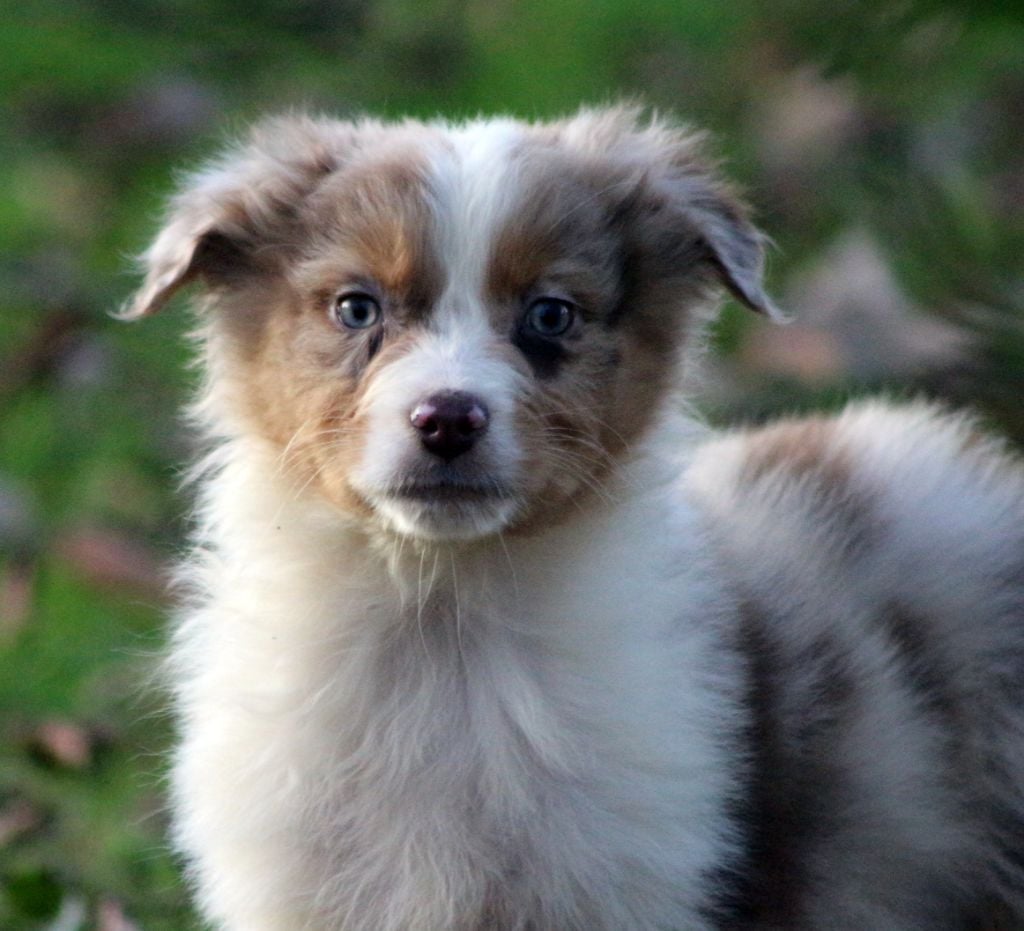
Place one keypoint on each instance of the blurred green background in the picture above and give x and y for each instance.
(881, 144)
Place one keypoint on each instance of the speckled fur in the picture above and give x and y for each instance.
(644, 676)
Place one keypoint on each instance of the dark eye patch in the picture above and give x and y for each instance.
(545, 355)
(374, 343)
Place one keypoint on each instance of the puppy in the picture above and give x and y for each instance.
(483, 632)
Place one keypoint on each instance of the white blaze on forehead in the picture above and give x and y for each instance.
(476, 185)
(473, 187)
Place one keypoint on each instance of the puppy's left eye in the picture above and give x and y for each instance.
(356, 311)
(550, 316)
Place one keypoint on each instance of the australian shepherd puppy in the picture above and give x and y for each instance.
(483, 632)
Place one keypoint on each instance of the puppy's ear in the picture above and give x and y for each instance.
(701, 213)
(233, 217)
(684, 218)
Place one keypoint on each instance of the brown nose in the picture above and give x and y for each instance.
(450, 423)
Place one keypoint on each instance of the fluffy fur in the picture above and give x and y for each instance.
(484, 633)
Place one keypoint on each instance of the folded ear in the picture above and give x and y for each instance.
(699, 211)
(733, 246)
(233, 216)
(686, 219)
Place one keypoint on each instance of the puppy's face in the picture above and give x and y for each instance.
(453, 331)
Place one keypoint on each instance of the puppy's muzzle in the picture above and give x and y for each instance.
(450, 423)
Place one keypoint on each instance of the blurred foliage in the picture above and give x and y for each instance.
(894, 126)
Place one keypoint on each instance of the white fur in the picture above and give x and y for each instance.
(568, 718)
(417, 720)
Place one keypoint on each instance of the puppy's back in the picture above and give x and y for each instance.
(878, 558)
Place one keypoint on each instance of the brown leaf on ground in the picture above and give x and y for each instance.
(36, 360)
(808, 354)
(110, 916)
(112, 560)
(64, 744)
(16, 586)
(18, 817)
(852, 296)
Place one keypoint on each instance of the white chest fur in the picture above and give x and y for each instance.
(536, 729)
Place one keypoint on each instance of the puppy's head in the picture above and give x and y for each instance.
(450, 331)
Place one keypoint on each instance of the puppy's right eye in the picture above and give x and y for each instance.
(355, 310)
(550, 316)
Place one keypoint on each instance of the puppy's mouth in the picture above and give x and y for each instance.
(448, 492)
(468, 498)
(447, 509)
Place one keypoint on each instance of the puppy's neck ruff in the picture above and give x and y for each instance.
(479, 683)
(254, 513)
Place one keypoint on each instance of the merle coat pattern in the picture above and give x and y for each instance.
(481, 631)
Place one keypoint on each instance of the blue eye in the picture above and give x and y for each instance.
(550, 316)
(356, 310)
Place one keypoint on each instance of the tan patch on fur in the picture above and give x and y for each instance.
(367, 228)
(316, 418)
(309, 418)
(799, 447)
(298, 376)
(811, 453)
(374, 223)
(580, 426)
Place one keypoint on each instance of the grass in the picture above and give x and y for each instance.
(100, 99)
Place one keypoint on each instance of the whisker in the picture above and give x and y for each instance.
(572, 464)
(589, 415)
(311, 442)
(555, 433)
(511, 564)
(293, 439)
(458, 608)
(419, 602)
